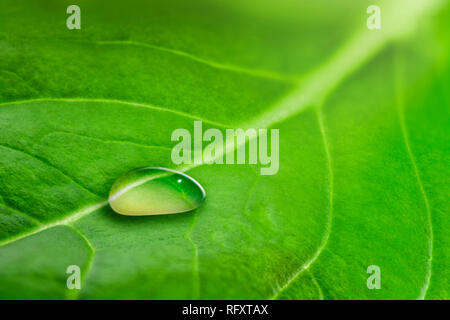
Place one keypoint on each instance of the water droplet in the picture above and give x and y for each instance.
(154, 190)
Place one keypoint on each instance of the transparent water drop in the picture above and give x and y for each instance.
(155, 190)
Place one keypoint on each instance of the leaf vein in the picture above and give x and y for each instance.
(108, 141)
(238, 69)
(128, 103)
(316, 283)
(26, 215)
(47, 163)
(326, 236)
(65, 220)
(89, 262)
(195, 263)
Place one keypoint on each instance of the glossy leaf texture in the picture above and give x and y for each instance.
(364, 159)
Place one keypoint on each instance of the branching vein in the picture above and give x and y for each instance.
(319, 289)
(66, 220)
(327, 233)
(128, 103)
(23, 214)
(401, 116)
(88, 266)
(108, 141)
(34, 157)
(195, 263)
(238, 69)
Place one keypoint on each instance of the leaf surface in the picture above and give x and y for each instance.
(363, 119)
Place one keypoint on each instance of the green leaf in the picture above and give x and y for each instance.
(364, 164)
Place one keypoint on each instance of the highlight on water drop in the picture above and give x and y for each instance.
(155, 190)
